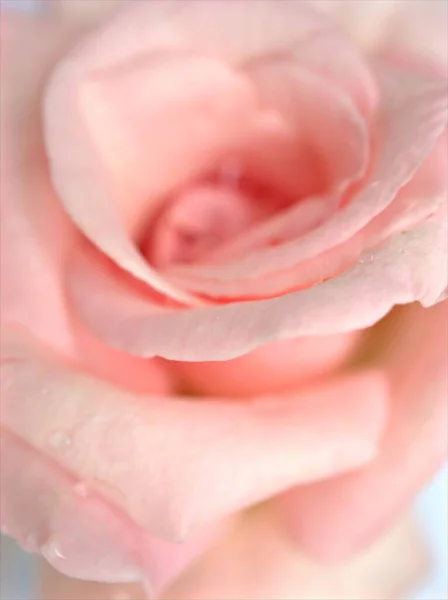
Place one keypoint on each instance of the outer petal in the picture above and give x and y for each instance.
(53, 514)
(411, 266)
(335, 518)
(417, 29)
(32, 257)
(145, 453)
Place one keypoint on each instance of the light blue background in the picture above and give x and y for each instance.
(17, 584)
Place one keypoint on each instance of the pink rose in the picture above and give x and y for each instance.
(221, 200)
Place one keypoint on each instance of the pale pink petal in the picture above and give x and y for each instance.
(139, 119)
(338, 517)
(49, 512)
(256, 561)
(410, 266)
(32, 257)
(145, 453)
(417, 29)
(419, 32)
(412, 119)
(238, 34)
(275, 367)
(321, 120)
(131, 132)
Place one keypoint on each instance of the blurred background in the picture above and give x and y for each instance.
(16, 567)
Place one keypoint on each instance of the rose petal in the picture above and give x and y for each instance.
(416, 30)
(52, 511)
(321, 120)
(131, 123)
(79, 533)
(413, 117)
(131, 112)
(411, 266)
(336, 518)
(145, 453)
(32, 257)
(276, 367)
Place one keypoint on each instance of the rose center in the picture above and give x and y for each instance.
(204, 216)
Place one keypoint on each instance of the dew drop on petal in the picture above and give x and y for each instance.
(51, 550)
(60, 439)
(58, 553)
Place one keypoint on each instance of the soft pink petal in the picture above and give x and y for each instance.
(122, 111)
(32, 257)
(173, 464)
(50, 510)
(417, 29)
(272, 368)
(411, 266)
(318, 143)
(238, 34)
(322, 120)
(256, 561)
(130, 132)
(335, 518)
(413, 118)
(51, 513)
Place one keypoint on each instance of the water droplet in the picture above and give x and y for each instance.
(51, 550)
(59, 553)
(373, 258)
(81, 489)
(403, 251)
(60, 439)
